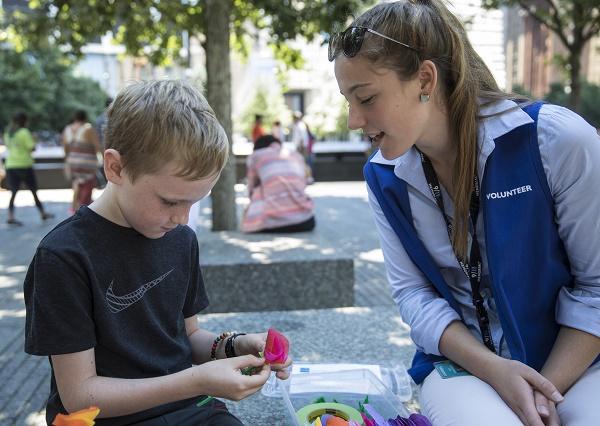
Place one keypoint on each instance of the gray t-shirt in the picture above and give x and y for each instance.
(95, 284)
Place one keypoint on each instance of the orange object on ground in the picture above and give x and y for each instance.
(336, 421)
(83, 417)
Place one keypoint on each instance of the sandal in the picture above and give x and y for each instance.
(14, 222)
(46, 216)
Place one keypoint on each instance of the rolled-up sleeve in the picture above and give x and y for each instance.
(421, 307)
(570, 151)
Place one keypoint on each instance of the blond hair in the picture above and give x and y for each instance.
(437, 35)
(151, 123)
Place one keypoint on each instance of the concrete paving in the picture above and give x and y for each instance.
(369, 332)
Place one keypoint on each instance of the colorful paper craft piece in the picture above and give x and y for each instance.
(336, 421)
(83, 417)
(276, 347)
(367, 421)
(377, 418)
(325, 418)
(309, 413)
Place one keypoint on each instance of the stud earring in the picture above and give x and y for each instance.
(424, 97)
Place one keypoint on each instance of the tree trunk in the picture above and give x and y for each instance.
(218, 94)
(574, 70)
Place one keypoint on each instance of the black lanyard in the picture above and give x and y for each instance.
(472, 268)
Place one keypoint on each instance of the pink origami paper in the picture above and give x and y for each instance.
(276, 348)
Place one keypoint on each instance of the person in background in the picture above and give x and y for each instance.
(100, 127)
(101, 123)
(19, 165)
(276, 186)
(299, 132)
(82, 147)
(257, 129)
(487, 211)
(277, 131)
(303, 140)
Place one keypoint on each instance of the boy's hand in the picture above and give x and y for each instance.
(223, 378)
(255, 343)
(250, 344)
(282, 370)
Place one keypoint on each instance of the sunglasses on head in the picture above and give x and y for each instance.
(350, 41)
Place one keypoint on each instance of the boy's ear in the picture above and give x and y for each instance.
(113, 167)
(428, 77)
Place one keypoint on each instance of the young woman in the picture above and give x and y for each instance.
(488, 217)
(82, 146)
(19, 165)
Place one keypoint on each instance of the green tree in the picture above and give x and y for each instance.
(153, 28)
(43, 85)
(269, 104)
(575, 22)
(589, 105)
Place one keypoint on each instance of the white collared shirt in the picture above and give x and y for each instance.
(570, 152)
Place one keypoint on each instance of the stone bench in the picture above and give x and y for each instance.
(279, 285)
(273, 272)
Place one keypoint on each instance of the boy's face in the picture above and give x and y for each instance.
(156, 203)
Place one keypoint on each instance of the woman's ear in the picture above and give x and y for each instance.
(428, 77)
(113, 167)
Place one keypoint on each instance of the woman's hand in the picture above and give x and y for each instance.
(546, 409)
(223, 378)
(516, 383)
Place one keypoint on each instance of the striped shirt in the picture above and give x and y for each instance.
(276, 183)
(81, 157)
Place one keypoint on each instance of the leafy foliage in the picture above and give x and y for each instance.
(574, 22)
(589, 107)
(42, 85)
(270, 105)
(152, 28)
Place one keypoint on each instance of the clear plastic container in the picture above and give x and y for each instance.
(348, 387)
(395, 378)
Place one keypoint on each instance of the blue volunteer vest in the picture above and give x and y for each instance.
(527, 261)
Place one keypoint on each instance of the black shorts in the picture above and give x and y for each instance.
(14, 177)
(214, 413)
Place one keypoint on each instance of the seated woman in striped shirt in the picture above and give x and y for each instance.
(276, 183)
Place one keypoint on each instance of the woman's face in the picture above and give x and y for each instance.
(386, 108)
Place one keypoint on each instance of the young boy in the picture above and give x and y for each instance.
(113, 292)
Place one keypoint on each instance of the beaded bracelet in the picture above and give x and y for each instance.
(213, 349)
(229, 345)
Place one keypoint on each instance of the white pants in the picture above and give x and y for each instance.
(469, 401)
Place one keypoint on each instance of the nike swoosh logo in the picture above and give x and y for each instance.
(119, 303)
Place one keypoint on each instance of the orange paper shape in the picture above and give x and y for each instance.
(276, 348)
(83, 417)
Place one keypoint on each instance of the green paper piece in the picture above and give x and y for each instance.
(204, 401)
(249, 371)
